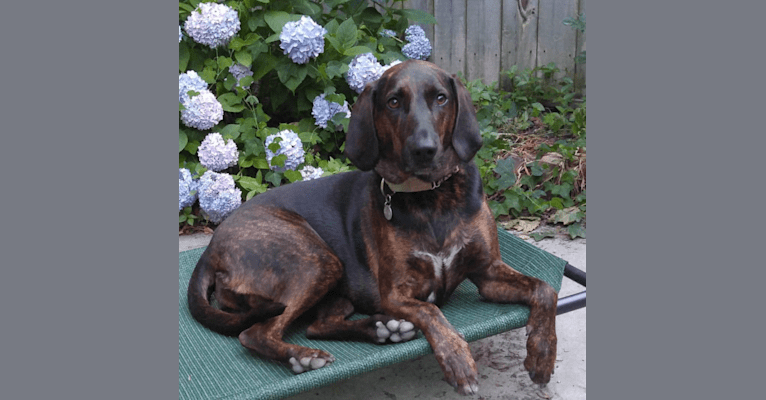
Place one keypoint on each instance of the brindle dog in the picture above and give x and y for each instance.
(392, 240)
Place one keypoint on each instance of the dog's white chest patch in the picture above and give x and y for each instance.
(442, 262)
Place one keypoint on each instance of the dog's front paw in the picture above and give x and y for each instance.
(459, 368)
(541, 354)
(395, 331)
(310, 362)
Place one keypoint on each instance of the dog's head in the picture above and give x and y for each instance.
(416, 120)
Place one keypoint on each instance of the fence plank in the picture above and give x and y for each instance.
(580, 68)
(557, 42)
(449, 35)
(519, 36)
(483, 22)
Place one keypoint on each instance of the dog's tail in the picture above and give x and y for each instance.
(201, 286)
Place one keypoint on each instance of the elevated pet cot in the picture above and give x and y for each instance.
(212, 366)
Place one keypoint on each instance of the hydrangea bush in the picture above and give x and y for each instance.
(216, 154)
(218, 196)
(187, 189)
(251, 71)
(288, 145)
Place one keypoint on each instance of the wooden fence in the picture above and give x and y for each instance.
(483, 38)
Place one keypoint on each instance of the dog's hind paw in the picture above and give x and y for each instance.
(309, 363)
(395, 331)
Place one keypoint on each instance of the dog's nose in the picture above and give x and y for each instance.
(424, 150)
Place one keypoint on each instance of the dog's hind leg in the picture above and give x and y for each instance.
(266, 338)
(310, 270)
(332, 323)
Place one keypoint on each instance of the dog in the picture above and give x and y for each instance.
(392, 240)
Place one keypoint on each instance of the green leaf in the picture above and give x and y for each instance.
(279, 160)
(576, 230)
(512, 201)
(191, 147)
(356, 50)
(224, 62)
(293, 176)
(273, 38)
(251, 184)
(275, 178)
(505, 168)
(332, 27)
(183, 57)
(277, 19)
(292, 75)
(245, 82)
(307, 8)
(237, 43)
(334, 3)
(498, 208)
(557, 203)
(335, 43)
(346, 34)
(266, 62)
(245, 161)
(230, 131)
(208, 75)
(418, 16)
(371, 16)
(275, 146)
(538, 236)
(231, 102)
(567, 216)
(261, 163)
(310, 138)
(244, 58)
(182, 140)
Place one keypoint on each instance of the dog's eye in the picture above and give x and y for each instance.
(441, 99)
(393, 102)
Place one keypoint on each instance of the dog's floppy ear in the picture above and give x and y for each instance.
(466, 139)
(361, 139)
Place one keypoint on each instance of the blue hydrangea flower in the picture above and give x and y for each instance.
(240, 71)
(180, 34)
(363, 69)
(301, 40)
(189, 81)
(290, 145)
(308, 172)
(187, 189)
(324, 110)
(413, 32)
(202, 111)
(387, 33)
(216, 154)
(418, 49)
(212, 24)
(218, 197)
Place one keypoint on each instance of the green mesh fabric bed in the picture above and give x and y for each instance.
(212, 366)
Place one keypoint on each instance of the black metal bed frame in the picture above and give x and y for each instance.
(575, 301)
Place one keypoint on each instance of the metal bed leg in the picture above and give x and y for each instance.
(575, 301)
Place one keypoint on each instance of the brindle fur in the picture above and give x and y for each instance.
(325, 245)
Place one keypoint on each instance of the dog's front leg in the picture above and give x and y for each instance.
(500, 283)
(451, 349)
